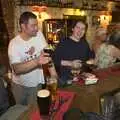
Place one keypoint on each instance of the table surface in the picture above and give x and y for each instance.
(87, 97)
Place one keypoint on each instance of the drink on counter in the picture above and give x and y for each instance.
(75, 72)
(44, 101)
(76, 68)
(52, 86)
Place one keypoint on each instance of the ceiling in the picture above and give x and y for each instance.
(112, 5)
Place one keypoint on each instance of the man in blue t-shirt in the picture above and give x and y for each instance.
(72, 49)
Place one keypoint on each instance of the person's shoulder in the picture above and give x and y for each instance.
(61, 41)
(65, 39)
(112, 47)
(15, 40)
(39, 32)
(85, 43)
(61, 44)
(40, 35)
(85, 40)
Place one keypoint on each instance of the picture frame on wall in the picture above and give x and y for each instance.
(95, 21)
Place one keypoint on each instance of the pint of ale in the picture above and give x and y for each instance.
(52, 86)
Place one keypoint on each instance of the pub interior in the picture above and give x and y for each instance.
(54, 20)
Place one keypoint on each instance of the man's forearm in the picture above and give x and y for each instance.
(21, 68)
(52, 70)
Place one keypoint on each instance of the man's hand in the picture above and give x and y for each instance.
(44, 58)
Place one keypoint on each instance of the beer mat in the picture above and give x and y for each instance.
(66, 100)
(62, 104)
(35, 115)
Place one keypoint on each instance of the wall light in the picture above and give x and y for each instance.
(105, 20)
(82, 13)
(43, 16)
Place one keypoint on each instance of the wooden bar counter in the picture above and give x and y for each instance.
(87, 97)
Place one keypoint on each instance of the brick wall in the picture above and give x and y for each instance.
(8, 17)
(8, 13)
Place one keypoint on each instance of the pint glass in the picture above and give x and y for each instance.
(52, 87)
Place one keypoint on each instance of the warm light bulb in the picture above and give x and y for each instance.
(82, 13)
(105, 20)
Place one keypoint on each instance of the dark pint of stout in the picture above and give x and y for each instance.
(44, 101)
(48, 50)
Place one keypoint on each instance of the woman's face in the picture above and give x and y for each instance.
(79, 30)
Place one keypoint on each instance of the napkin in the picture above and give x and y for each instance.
(86, 79)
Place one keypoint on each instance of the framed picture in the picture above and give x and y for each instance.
(95, 20)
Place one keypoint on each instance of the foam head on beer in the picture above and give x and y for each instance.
(43, 93)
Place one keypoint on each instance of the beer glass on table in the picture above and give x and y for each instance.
(44, 102)
(52, 87)
(76, 68)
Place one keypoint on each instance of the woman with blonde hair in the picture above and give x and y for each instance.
(109, 51)
(100, 37)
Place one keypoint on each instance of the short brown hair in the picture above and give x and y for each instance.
(25, 17)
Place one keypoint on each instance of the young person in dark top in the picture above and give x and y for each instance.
(72, 49)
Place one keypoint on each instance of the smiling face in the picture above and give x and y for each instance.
(30, 28)
(79, 30)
